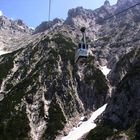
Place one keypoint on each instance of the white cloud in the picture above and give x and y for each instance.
(1, 13)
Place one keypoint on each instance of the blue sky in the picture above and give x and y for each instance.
(33, 12)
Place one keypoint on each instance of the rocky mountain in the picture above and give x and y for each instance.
(43, 93)
(13, 33)
(112, 37)
(118, 35)
(41, 84)
(13, 25)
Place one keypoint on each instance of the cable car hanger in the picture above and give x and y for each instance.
(49, 13)
(82, 51)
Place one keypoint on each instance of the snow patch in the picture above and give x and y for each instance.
(32, 28)
(3, 52)
(105, 70)
(84, 127)
(21, 27)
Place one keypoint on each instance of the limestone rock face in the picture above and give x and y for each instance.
(123, 66)
(15, 26)
(126, 3)
(122, 116)
(13, 34)
(42, 84)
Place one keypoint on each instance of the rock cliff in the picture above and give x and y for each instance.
(121, 120)
(41, 84)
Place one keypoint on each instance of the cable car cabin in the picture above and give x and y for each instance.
(82, 51)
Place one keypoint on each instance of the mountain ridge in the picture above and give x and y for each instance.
(43, 94)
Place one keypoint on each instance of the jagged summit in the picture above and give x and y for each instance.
(78, 17)
(13, 33)
(78, 11)
(14, 25)
(107, 3)
(48, 25)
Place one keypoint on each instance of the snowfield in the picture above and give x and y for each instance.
(84, 127)
(3, 52)
(105, 70)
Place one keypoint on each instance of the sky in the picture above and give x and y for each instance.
(33, 12)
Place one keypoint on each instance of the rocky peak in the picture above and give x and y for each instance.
(16, 26)
(47, 25)
(79, 16)
(20, 22)
(78, 11)
(4, 22)
(107, 3)
(13, 34)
